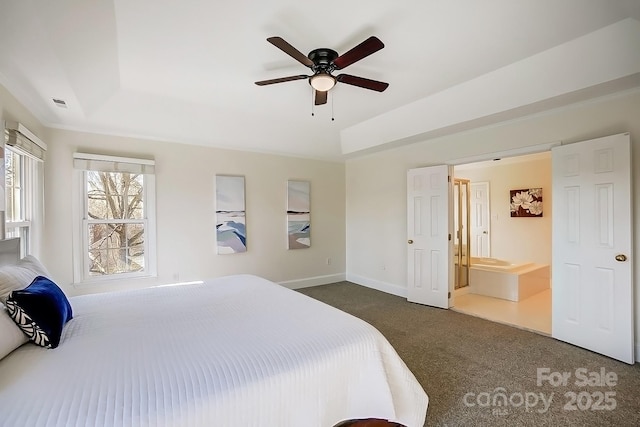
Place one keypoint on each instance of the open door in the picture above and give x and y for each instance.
(480, 216)
(592, 278)
(428, 234)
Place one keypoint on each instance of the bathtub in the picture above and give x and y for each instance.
(507, 280)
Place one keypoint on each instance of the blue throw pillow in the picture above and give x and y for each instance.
(41, 310)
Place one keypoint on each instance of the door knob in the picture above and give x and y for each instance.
(484, 232)
(621, 257)
(410, 241)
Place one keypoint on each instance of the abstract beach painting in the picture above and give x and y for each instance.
(298, 215)
(526, 202)
(231, 231)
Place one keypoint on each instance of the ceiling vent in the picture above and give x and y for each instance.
(60, 103)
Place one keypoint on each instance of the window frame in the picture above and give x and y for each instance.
(25, 227)
(81, 261)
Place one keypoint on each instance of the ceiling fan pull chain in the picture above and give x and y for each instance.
(313, 92)
(332, 118)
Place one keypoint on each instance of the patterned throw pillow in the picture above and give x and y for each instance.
(41, 310)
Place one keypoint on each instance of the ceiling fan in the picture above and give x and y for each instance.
(323, 62)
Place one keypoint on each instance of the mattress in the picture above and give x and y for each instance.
(234, 351)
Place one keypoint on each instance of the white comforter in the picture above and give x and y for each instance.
(235, 351)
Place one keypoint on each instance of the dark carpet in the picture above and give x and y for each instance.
(481, 373)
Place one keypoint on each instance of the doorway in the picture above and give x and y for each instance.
(480, 219)
(593, 304)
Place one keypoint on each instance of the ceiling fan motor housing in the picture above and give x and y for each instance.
(323, 60)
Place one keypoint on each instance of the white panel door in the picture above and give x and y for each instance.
(428, 229)
(480, 215)
(592, 240)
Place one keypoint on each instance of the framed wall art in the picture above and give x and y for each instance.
(298, 214)
(231, 233)
(526, 202)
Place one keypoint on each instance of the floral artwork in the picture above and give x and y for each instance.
(527, 202)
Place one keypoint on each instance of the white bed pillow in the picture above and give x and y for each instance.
(20, 275)
(11, 336)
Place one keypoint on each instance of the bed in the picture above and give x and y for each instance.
(232, 351)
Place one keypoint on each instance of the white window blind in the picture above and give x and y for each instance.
(100, 163)
(24, 141)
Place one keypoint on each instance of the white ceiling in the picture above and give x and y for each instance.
(184, 71)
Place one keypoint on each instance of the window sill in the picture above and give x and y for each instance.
(105, 280)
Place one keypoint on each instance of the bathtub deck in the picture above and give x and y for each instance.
(513, 285)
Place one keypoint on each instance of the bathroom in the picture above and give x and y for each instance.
(502, 260)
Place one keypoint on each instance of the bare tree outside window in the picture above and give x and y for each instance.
(116, 222)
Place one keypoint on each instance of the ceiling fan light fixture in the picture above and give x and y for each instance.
(322, 81)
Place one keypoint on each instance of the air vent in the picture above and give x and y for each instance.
(60, 103)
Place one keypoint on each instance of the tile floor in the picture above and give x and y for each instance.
(533, 313)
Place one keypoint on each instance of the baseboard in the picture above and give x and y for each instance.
(313, 281)
(378, 285)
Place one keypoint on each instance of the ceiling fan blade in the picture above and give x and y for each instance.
(281, 80)
(281, 44)
(362, 82)
(321, 97)
(364, 49)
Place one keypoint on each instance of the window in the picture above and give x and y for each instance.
(23, 170)
(117, 226)
(16, 214)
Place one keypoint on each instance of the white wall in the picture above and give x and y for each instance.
(185, 208)
(13, 111)
(186, 246)
(376, 184)
(523, 239)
